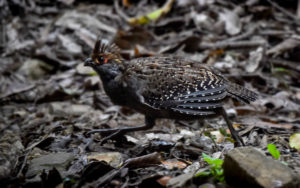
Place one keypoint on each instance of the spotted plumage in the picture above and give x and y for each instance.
(164, 86)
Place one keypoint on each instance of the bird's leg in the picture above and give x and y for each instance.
(149, 123)
(234, 134)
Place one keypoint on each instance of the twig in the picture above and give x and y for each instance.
(229, 44)
(275, 32)
(284, 11)
(23, 164)
(108, 176)
(290, 64)
(298, 10)
(145, 160)
(242, 36)
(122, 15)
(21, 90)
(2, 37)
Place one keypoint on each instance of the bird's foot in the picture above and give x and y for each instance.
(115, 132)
(238, 140)
(111, 133)
(102, 131)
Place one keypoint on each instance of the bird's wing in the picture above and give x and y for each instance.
(182, 86)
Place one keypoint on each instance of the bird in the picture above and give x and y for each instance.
(164, 86)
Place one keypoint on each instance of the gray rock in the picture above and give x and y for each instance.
(60, 161)
(248, 167)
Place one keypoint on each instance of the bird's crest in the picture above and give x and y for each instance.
(104, 52)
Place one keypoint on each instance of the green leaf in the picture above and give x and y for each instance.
(280, 69)
(93, 74)
(223, 132)
(212, 161)
(208, 134)
(221, 179)
(205, 173)
(273, 150)
(207, 158)
(219, 172)
(155, 14)
(215, 170)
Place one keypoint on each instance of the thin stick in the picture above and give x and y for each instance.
(284, 11)
(231, 44)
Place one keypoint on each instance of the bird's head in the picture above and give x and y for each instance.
(103, 54)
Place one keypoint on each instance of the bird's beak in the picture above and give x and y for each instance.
(88, 62)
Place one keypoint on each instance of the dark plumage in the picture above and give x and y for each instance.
(164, 87)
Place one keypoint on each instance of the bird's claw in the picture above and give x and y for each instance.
(101, 131)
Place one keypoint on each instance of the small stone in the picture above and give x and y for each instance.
(248, 167)
(60, 161)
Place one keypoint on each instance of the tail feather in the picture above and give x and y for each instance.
(240, 93)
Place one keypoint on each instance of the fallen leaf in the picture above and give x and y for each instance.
(295, 141)
(232, 22)
(173, 164)
(219, 137)
(112, 158)
(152, 16)
(285, 45)
(255, 58)
(144, 161)
(164, 180)
(252, 121)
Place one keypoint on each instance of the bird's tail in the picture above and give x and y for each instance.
(240, 93)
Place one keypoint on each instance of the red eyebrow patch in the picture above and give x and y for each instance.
(105, 60)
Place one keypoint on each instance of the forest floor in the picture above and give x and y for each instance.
(49, 99)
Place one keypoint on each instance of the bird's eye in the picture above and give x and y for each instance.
(100, 59)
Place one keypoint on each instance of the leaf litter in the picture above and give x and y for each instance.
(49, 100)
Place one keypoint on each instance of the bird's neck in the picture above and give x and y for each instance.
(113, 87)
(108, 72)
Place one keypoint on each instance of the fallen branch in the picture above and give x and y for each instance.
(284, 11)
(230, 44)
(242, 36)
(284, 63)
